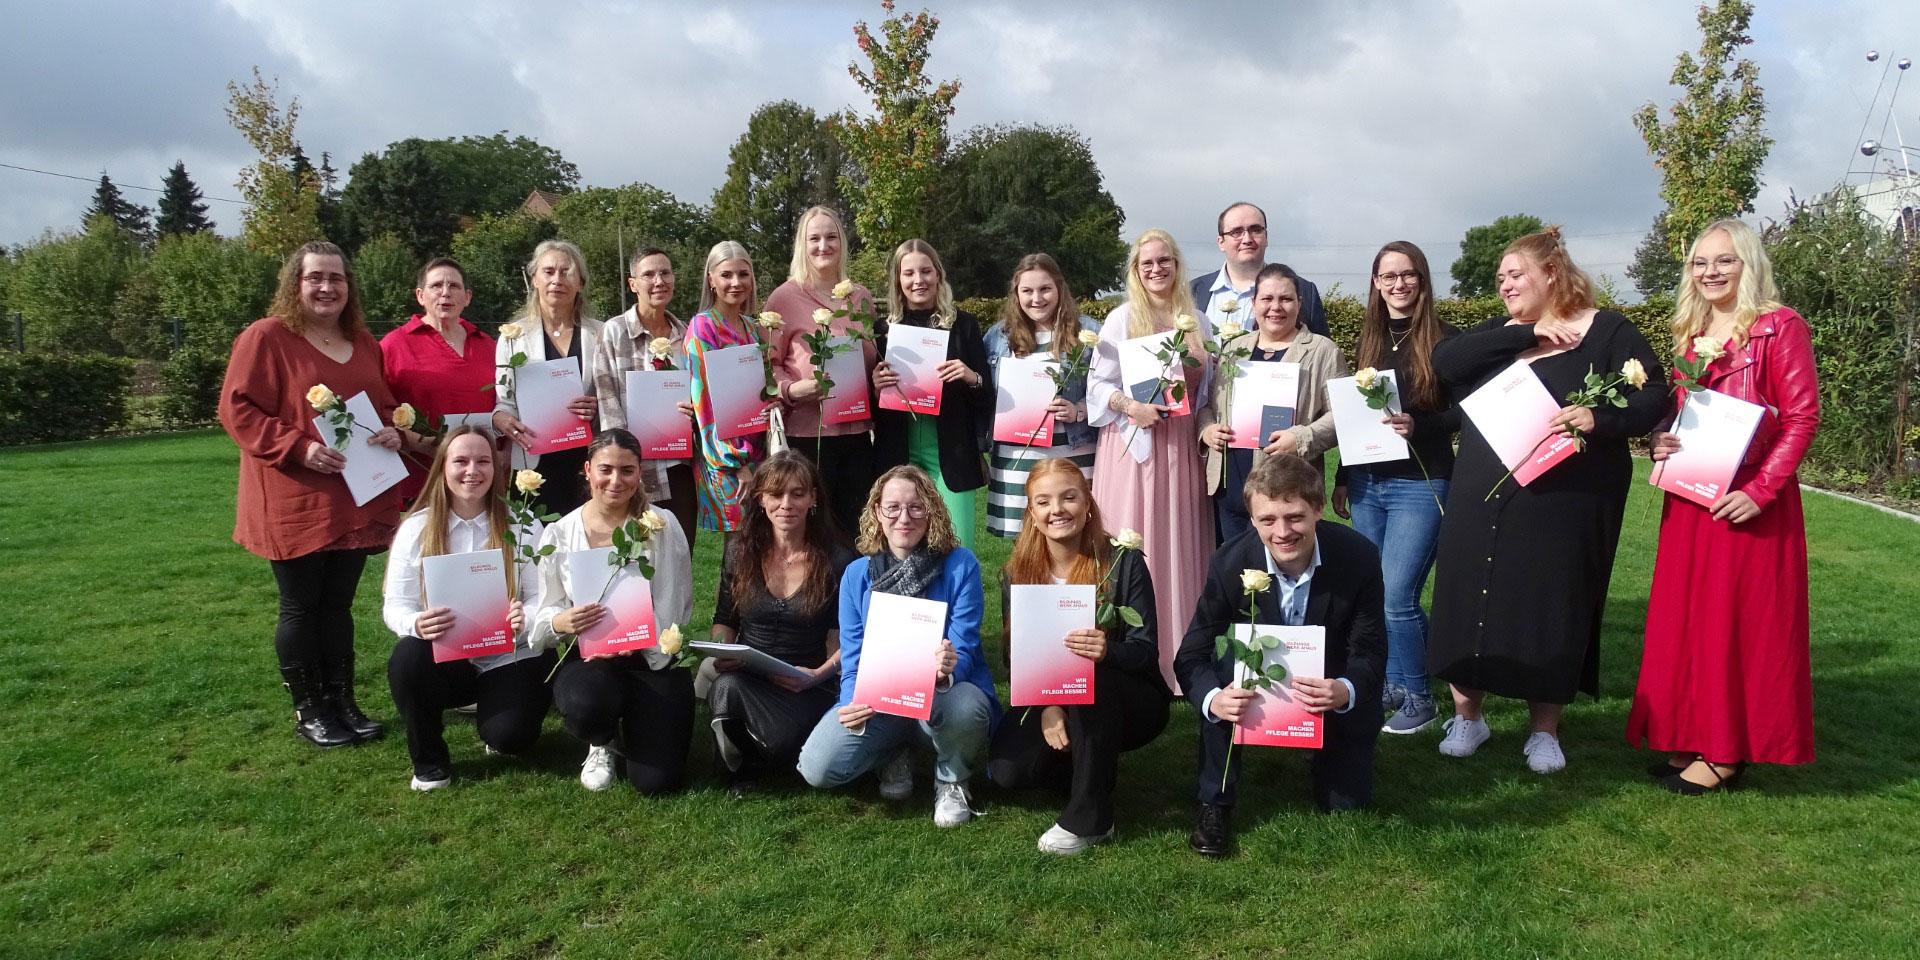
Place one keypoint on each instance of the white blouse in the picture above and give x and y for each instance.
(404, 594)
(672, 581)
(1104, 380)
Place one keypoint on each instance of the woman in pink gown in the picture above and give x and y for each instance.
(1148, 472)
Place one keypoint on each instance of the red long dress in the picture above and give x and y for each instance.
(1727, 672)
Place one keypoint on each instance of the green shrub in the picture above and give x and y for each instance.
(49, 398)
(190, 384)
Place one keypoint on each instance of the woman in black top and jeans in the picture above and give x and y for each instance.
(1396, 504)
(779, 594)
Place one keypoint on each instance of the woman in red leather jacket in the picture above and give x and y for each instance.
(1726, 679)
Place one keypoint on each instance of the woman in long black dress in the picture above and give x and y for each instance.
(779, 594)
(1522, 578)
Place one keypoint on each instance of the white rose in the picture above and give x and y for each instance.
(1230, 305)
(403, 416)
(1634, 373)
(1366, 378)
(509, 330)
(1089, 339)
(528, 481)
(660, 347)
(320, 396)
(1185, 323)
(1229, 330)
(770, 320)
(1707, 349)
(670, 640)
(843, 289)
(650, 524)
(1129, 540)
(1255, 581)
(823, 316)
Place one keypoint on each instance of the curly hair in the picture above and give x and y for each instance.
(940, 536)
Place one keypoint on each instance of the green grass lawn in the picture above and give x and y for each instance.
(157, 803)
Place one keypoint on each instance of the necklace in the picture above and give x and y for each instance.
(1402, 338)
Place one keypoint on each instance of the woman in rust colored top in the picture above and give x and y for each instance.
(291, 509)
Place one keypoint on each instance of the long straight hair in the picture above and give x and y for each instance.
(943, 308)
(722, 252)
(800, 270)
(536, 308)
(1020, 328)
(1423, 331)
(437, 503)
(1756, 294)
(746, 570)
(1145, 315)
(1029, 563)
(286, 295)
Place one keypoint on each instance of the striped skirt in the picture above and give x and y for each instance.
(1007, 480)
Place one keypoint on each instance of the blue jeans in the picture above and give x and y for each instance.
(958, 731)
(1402, 518)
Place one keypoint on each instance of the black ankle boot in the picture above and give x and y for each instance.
(314, 717)
(338, 689)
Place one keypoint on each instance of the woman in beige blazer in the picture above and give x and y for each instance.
(553, 323)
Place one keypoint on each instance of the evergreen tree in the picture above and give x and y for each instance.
(125, 214)
(181, 209)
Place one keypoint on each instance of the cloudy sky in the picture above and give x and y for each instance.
(1352, 122)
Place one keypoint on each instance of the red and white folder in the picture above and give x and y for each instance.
(1142, 371)
(370, 470)
(653, 413)
(1276, 719)
(915, 354)
(736, 387)
(1514, 412)
(1045, 672)
(898, 667)
(1023, 390)
(629, 623)
(1257, 386)
(1364, 438)
(1714, 431)
(848, 401)
(542, 389)
(474, 587)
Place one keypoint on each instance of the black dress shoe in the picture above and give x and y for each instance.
(1665, 768)
(314, 717)
(337, 686)
(1212, 831)
(1687, 788)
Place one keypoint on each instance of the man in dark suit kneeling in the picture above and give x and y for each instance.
(1323, 574)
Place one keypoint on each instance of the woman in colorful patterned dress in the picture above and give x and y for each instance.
(728, 306)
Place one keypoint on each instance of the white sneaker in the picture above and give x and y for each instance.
(597, 772)
(896, 778)
(423, 786)
(1058, 840)
(1543, 753)
(1463, 736)
(950, 804)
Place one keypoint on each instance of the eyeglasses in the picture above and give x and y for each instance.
(892, 511)
(1404, 276)
(1723, 264)
(1255, 231)
(1163, 263)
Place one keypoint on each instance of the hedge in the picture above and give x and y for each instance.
(49, 398)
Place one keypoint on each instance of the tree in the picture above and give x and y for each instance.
(419, 190)
(138, 323)
(608, 224)
(494, 174)
(494, 252)
(127, 215)
(1008, 191)
(1655, 270)
(181, 207)
(283, 207)
(787, 160)
(214, 285)
(65, 287)
(1709, 153)
(385, 269)
(896, 152)
(1480, 252)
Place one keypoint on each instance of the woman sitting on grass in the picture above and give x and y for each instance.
(639, 699)
(461, 509)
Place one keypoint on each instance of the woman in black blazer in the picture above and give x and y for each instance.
(950, 446)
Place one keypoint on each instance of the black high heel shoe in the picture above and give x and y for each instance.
(1687, 788)
(1665, 768)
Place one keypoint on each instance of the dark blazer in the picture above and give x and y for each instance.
(1346, 597)
(1132, 650)
(965, 423)
(1313, 313)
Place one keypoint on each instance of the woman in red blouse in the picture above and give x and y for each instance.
(1727, 676)
(438, 362)
(292, 510)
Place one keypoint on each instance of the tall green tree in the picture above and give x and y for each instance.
(897, 150)
(609, 223)
(787, 160)
(214, 285)
(109, 202)
(282, 206)
(419, 190)
(65, 287)
(494, 252)
(1710, 150)
(1008, 191)
(1480, 252)
(182, 208)
(1655, 270)
(385, 269)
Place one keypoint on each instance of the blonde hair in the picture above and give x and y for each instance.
(1756, 294)
(1572, 289)
(436, 504)
(940, 536)
(722, 252)
(943, 309)
(801, 270)
(1144, 315)
(535, 307)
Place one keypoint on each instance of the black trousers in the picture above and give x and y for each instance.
(1127, 713)
(682, 501)
(512, 701)
(650, 713)
(316, 607)
(846, 469)
(1341, 771)
(566, 486)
